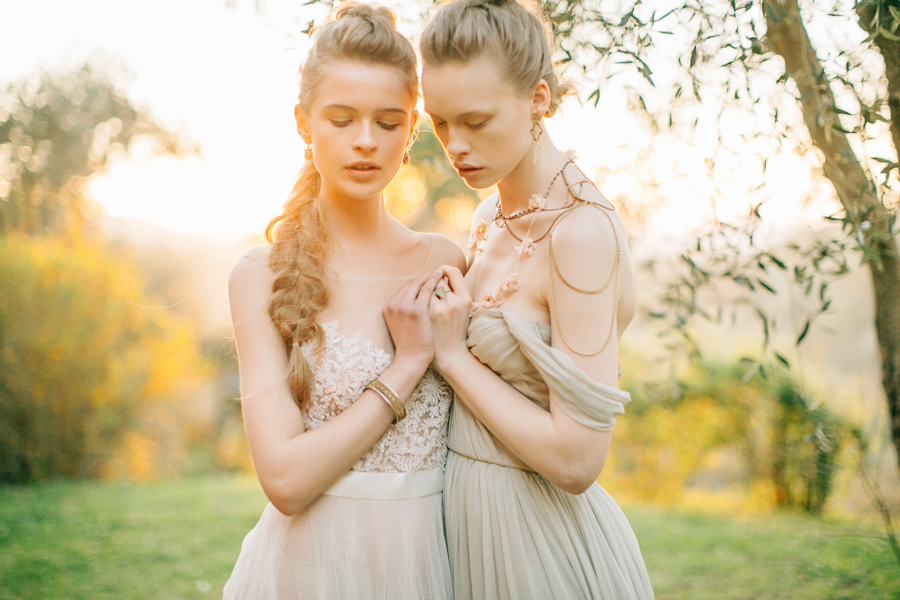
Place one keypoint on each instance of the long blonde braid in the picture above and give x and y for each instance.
(299, 235)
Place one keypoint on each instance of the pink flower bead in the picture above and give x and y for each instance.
(526, 248)
(536, 201)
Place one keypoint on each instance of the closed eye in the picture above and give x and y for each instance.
(340, 123)
(388, 126)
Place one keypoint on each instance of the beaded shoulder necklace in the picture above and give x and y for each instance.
(538, 203)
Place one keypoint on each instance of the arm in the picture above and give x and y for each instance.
(567, 453)
(295, 466)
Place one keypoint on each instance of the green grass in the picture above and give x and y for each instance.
(780, 556)
(180, 540)
(95, 541)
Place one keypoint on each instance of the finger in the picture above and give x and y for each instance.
(428, 287)
(457, 281)
(410, 290)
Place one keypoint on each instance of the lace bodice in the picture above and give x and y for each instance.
(343, 369)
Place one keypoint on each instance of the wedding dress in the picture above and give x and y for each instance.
(378, 532)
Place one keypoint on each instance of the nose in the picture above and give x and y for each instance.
(457, 147)
(365, 141)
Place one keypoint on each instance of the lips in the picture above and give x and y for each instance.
(363, 170)
(467, 170)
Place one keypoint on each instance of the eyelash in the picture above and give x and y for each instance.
(386, 126)
(442, 124)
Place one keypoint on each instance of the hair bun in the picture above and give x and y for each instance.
(516, 32)
(486, 4)
(368, 12)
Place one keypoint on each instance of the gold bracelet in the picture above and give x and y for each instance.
(389, 396)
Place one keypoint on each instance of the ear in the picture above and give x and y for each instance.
(302, 126)
(540, 99)
(413, 121)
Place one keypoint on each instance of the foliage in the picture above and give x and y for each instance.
(731, 267)
(805, 444)
(56, 130)
(723, 432)
(81, 359)
(428, 194)
(180, 539)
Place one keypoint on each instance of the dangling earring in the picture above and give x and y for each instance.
(536, 132)
(406, 158)
(307, 154)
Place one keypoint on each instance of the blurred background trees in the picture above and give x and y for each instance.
(58, 129)
(91, 377)
(726, 432)
(82, 358)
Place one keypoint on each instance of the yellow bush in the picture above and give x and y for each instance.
(80, 357)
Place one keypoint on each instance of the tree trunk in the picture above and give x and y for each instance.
(787, 36)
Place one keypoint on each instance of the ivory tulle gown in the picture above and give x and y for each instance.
(512, 534)
(378, 533)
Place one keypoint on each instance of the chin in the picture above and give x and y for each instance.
(358, 190)
(480, 182)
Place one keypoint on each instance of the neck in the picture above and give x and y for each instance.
(353, 221)
(527, 178)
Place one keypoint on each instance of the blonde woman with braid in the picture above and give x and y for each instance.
(532, 359)
(346, 423)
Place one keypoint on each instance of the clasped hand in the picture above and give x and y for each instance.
(450, 318)
(425, 327)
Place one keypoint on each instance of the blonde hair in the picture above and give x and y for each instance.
(299, 236)
(464, 30)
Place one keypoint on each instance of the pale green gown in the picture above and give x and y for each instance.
(512, 534)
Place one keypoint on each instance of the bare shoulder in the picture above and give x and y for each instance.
(587, 244)
(251, 267)
(446, 252)
(588, 229)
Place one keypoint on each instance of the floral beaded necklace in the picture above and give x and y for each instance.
(538, 203)
(526, 247)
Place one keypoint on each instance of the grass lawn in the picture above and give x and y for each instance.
(180, 540)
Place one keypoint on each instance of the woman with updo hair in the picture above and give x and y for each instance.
(527, 338)
(345, 420)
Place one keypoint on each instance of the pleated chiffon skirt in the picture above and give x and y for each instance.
(346, 549)
(513, 535)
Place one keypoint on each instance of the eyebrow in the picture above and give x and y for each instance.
(475, 113)
(471, 113)
(351, 109)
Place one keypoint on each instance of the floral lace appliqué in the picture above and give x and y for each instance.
(344, 367)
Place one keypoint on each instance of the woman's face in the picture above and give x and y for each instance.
(359, 122)
(481, 120)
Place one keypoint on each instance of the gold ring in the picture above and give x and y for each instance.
(440, 292)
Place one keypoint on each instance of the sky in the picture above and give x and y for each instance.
(226, 76)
